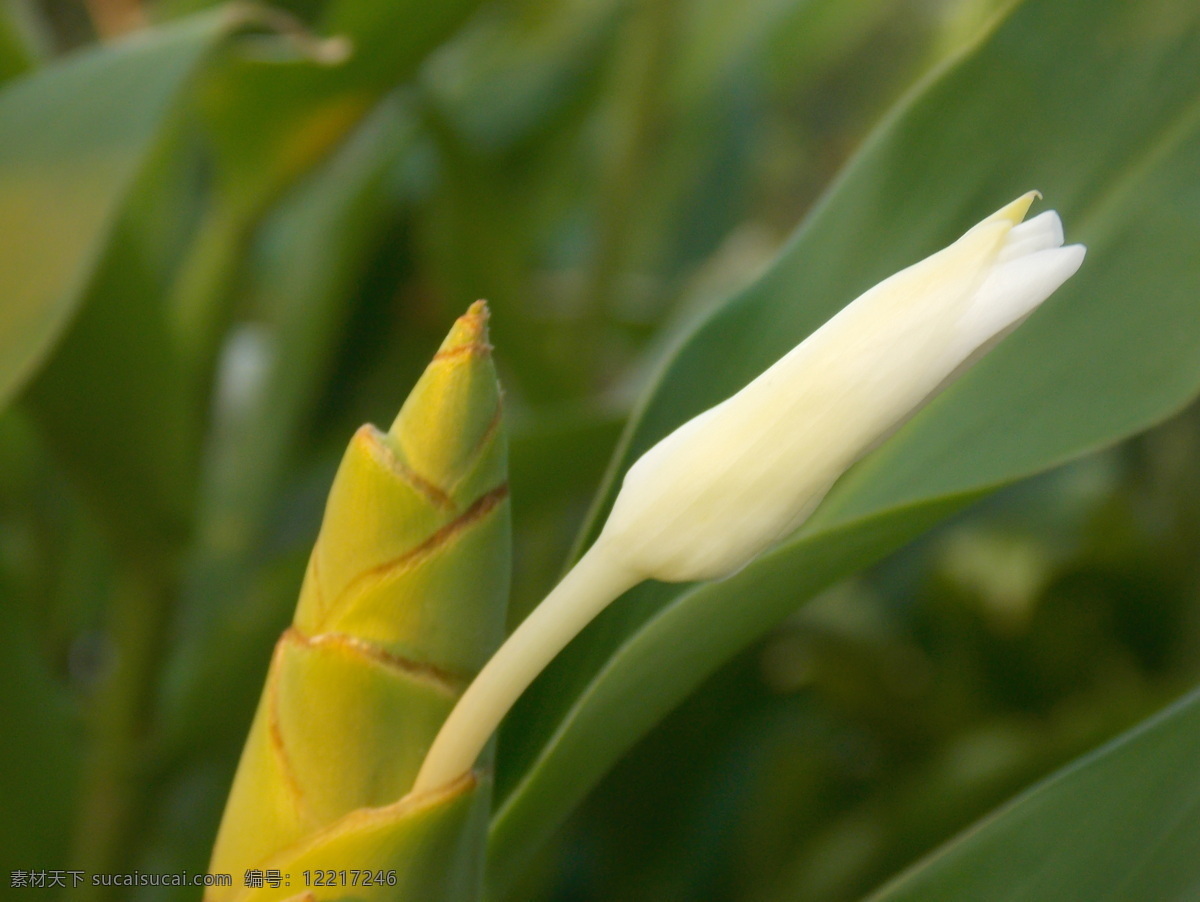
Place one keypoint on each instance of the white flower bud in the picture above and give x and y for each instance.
(729, 483)
(724, 486)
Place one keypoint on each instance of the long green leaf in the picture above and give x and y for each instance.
(1121, 824)
(75, 135)
(1111, 134)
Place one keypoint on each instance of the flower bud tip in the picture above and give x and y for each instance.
(469, 334)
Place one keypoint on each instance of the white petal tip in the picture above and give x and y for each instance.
(1045, 270)
(1076, 253)
(1015, 288)
(1041, 233)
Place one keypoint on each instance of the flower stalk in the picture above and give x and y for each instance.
(734, 480)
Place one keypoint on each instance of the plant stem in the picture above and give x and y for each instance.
(595, 581)
(109, 792)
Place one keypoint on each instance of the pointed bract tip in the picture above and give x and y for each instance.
(469, 334)
(1015, 211)
(454, 406)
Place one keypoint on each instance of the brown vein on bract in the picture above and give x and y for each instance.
(489, 433)
(275, 730)
(445, 681)
(474, 348)
(480, 508)
(386, 455)
(491, 429)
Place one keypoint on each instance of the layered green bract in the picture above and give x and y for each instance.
(402, 603)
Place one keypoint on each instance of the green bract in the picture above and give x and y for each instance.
(403, 601)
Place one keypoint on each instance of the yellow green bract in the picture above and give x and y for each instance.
(402, 603)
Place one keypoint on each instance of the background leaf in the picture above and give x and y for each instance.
(270, 121)
(1107, 356)
(1120, 824)
(287, 256)
(19, 49)
(76, 134)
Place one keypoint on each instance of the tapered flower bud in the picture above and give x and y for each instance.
(403, 601)
(728, 484)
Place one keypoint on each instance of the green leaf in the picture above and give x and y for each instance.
(39, 775)
(1121, 823)
(270, 119)
(138, 467)
(1114, 352)
(76, 134)
(19, 47)
(283, 115)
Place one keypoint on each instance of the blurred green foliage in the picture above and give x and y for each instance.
(282, 238)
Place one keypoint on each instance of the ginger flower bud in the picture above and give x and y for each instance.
(729, 483)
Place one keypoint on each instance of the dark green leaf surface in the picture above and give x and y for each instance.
(39, 775)
(75, 135)
(272, 112)
(1121, 824)
(1112, 136)
(18, 48)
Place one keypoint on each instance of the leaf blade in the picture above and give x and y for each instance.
(1069, 836)
(77, 133)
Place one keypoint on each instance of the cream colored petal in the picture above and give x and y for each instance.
(1014, 289)
(1042, 232)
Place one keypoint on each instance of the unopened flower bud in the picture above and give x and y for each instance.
(726, 485)
(732, 481)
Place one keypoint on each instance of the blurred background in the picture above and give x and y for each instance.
(603, 172)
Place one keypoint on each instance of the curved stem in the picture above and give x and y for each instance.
(595, 581)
